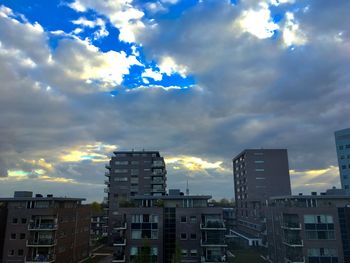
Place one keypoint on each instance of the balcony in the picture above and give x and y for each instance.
(120, 226)
(213, 225)
(300, 259)
(106, 190)
(158, 181)
(291, 226)
(107, 182)
(108, 166)
(117, 242)
(293, 242)
(214, 259)
(41, 242)
(157, 164)
(41, 258)
(213, 243)
(42, 227)
(118, 258)
(108, 174)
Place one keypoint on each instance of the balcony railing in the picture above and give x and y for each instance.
(293, 242)
(118, 258)
(119, 242)
(107, 173)
(41, 258)
(108, 166)
(120, 226)
(41, 242)
(214, 259)
(106, 190)
(298, 260)
(42, 226)
(213, 243)
(158, 164)
(213, 225)
(291, 226)
(107, 182)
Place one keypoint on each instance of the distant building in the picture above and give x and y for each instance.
(132, 173)
(310, 229)
(258, 175)
(342, 142)
(43, 229)
(99, 227)
(166, 222)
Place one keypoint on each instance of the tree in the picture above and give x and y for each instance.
(144, 255)
(96, 207)
(176, 258)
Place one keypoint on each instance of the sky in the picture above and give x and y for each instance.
(198, 80)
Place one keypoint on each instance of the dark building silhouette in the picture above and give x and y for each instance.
(44, 229)
(258, 175)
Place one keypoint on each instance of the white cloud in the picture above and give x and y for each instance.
(121, 13)
(257, 22)
(168, 66)
(149, 73)
(292, 35)
(82, 21)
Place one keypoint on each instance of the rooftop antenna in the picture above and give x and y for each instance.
(187, 190)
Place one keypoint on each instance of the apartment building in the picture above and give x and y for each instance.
(132, 173)
(258, 175)
(342, 141)
(99, 227)
(165, 223)
(44, 229)
(308, 229)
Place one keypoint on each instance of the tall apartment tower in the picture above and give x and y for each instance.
(342, 141)
(258, 175)
(132, 173)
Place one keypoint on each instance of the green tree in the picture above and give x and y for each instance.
(96, 207)
(144, 255)
(176, 258)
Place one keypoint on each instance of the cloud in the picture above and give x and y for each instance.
(122, 14)
(82, 21)
(250, 93)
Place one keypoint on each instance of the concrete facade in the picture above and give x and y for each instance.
(342, 142)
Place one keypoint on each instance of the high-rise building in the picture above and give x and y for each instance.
(342, 141)
(258, 175)
(132, 173)
(43, 229)
(310, 229)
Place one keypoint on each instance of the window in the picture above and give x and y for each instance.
(154, 251)
(183, 219)
(22, 236)
(20, 252)
(24, 220)
(133, 251)
(259, 170)
(183, 236)
(184, 252)
(11, 252)
(14, 220)
(341, 147)
(120, 179)
(342, 157)
(135, 162)
(121, 170)
(193, 236)
(13, 236)
(347, 146)
(259, 161)
(345, 177)
(121, 162)
(135, 234)
(193, 219)
(154, 234)
(343, 167)
(193, 252)
(134, 171)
